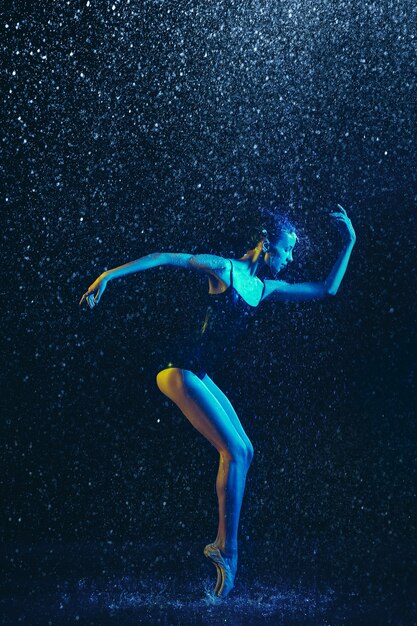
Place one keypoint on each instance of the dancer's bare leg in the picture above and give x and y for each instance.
(207, 415)
(220, 487)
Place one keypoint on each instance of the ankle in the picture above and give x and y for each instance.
(229, 553)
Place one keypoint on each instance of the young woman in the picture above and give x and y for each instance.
(234, 292)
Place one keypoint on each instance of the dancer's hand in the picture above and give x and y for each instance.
(95, 291)
(344, 225)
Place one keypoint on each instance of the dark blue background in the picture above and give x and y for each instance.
(135, 127)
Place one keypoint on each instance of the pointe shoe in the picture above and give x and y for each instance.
(208, 550)
(225, 577)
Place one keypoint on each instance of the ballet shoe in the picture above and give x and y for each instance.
(225, 577)
(208, 550)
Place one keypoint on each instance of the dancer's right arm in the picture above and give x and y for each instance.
(202, 262)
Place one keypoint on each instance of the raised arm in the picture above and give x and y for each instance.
(207, 263)
(299, 292)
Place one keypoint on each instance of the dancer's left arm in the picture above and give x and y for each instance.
(298, 292)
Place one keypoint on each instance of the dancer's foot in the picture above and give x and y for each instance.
(208, 552)
(226, 569)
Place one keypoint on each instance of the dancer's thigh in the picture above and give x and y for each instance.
(228, 408)
(202, 409)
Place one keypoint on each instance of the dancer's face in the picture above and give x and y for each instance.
(280, 251)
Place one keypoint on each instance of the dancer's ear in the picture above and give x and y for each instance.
(265, 241)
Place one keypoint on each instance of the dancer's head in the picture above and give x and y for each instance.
(278, 249)
(278, 238)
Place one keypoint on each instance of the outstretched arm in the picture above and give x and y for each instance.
(147, 262)
(207, 263)
(280, 290)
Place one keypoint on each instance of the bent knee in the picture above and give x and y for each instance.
(239, 452)
(249, 451)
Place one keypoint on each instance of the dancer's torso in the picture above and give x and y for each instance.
(226, 317)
